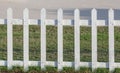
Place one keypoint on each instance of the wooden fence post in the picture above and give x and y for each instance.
(43, 39)
(26, 38)
(9, 38)
(77, 38)
(111, 40)
(94, 38)
(60, 39)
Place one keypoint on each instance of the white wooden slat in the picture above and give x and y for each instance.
(83, 23)
(2, 21)
(43, 39)
(111, 40)
(9, 38)
(54, 64)
(103, 64)
(34, 21)
(3, 63)
(77, 38)
(68, 64)
(94, 38)
(117, 65)
(101, 23)
(50, 22)
(26, 38)
(85, 64)
(60, 39)
(17, 22)
(116, 22)
(68, 22)
(26, 22)
(18, 63)
(34, 63)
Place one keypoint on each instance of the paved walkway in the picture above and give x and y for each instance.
(36, 5)
(61, 3)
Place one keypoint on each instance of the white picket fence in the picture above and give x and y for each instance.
(25, 21)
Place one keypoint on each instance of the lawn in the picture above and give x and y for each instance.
(68, 45)
(54, 70)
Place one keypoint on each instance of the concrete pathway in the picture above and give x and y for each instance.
(35, 5)
(53, 4)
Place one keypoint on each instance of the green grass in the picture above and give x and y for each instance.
(50, 69)
(101, 70)
(85, 70)
(68, 44)
(51, 39)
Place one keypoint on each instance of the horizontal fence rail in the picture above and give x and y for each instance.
(59, 22)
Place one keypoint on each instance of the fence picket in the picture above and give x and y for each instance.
(94, 39)
(43, 38)
(60, 39)
(9, 38)
(111, 40)
(26, 38)
(77, 38)
(60, 22)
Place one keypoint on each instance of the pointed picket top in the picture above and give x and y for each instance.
(9, 13)
(111, 10)
(43, 10)
(94, 16)
(111, 15)
(26, 10)
(9, 10)
(76, 16)
(60, 13)
(26, 13)
(94, 12)
(76, 12)
(60, 10)
(43, 13)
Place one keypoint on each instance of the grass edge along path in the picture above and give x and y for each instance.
(50, 69)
